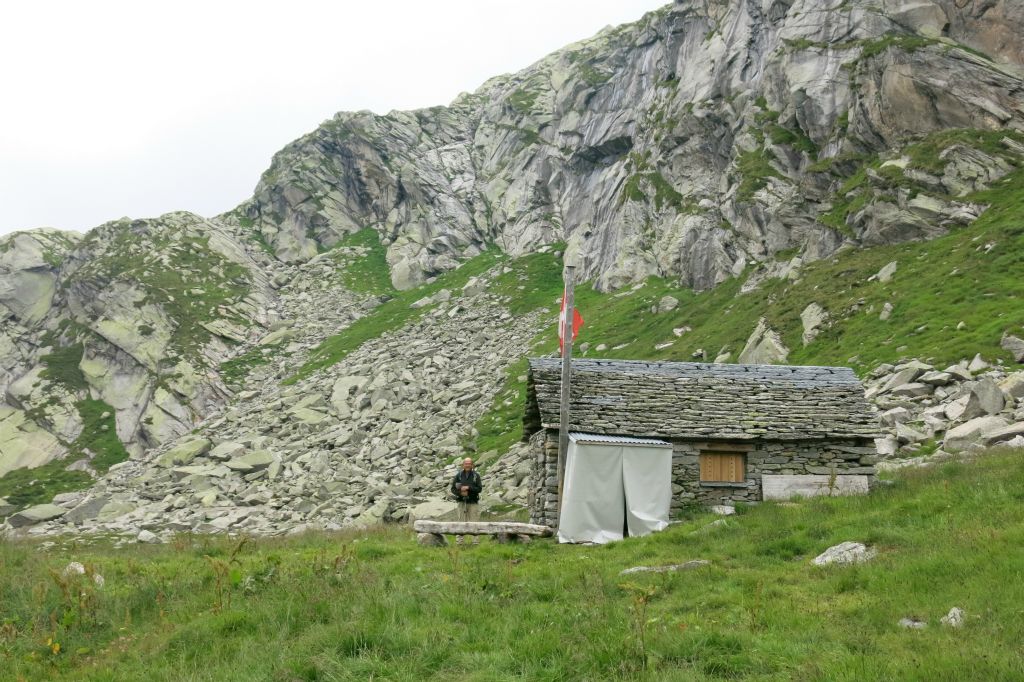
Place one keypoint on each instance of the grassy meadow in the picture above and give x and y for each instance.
(374, 605)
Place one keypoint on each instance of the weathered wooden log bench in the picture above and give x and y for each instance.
(431, 533)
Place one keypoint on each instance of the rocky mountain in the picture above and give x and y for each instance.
(704, 136)
(321, 353)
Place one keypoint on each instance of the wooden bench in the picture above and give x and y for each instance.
(431, 533)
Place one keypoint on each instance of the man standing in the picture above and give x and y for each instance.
(466, 487)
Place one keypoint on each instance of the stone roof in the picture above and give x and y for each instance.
(688, 400)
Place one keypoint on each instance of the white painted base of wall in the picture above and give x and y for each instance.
(780, 487)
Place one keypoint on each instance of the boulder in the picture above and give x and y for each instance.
(953, 619)
(972, 433)
(764, 347)
(955, 408)
(1014, 345)
(907, 375)
(183, 453)
(885, 274)
(1013, 385)
(148, 537)
(69, 500)
(886, 447)
(985, 398)
(254, 461)
(813, 318)
(845, 553)
(86, 510)
(437, 509)
(431, 540)
(276, 337)
(912, 390)
(1005, 434)
(36, 514)
(227, 450)
(114, 509)
(977, 363)
(6, 509)
(905, 434)
(666, 304)
(935, 378)
(896, 415)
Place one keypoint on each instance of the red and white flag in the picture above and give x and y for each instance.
(577, 323)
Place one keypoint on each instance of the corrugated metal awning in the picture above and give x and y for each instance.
(617, 440)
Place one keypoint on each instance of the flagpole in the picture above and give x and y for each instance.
(563, 422)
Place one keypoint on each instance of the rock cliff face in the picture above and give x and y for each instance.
(128, 321)
(706, 138)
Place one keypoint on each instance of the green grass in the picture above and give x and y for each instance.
(938, 284)
(796, 139)
(875, 47)
(368, 273)
(99, 436)
(62, 367)
(755, 167)
(235, 370)
(26, 487)
(523, 100)
(373, 605)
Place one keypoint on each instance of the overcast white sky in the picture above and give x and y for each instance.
(111, 109)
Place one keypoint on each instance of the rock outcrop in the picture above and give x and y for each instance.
(702, 137)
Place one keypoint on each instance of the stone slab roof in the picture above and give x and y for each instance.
(688, 400)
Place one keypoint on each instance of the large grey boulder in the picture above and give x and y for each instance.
(813, 318)
(845, 553)
(36, 514)
(764, 347)
(1005, 434)
(885, 274)
(666, 305)
(87, 510)
(227, 450)
(973, 433)
(1013, 385)
(438, 509)
(183, 453)
(1013, 344)
(985, 398)
(254, 461)
(954, 619)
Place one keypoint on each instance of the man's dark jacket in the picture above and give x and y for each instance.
(470, 478)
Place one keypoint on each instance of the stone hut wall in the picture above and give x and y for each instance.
(840, 456)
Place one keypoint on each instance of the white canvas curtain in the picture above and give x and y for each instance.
(609, 487)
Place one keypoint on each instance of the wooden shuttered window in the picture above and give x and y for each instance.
(722, 467)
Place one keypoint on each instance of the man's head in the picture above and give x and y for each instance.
(467, 464)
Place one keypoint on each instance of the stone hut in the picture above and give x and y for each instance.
(739, 433)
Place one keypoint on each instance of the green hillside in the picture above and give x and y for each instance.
(973, 275)
(374, 605)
